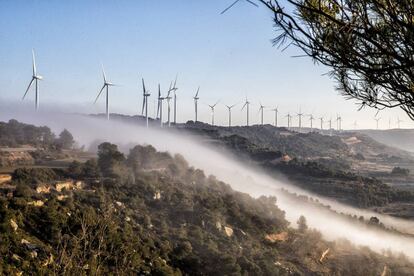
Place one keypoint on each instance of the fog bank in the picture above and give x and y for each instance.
(228, 169)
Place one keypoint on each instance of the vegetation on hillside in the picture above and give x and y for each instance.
(150, 213)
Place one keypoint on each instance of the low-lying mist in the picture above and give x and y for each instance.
(226, 167)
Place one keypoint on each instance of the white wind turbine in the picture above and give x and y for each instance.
(311, 118)
(212, 107)
(105, 85)
(300, 114)
(175, 99)
(35, 79)
(168, 98)
(229, 107)
(246, 104)
(276, 110)
(196, 98)
(289, 118)
(146, 94)
(377, 120)
(399, 122)
(159, 109)
(321, 120)
(261, 109)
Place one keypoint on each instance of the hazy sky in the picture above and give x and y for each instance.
(230, 56)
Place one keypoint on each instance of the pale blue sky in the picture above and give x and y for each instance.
(230, 56)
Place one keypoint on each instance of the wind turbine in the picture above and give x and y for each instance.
(355, 125)
(330, 126)
(300, 114)
(229, 107)
(146, 94)
(289, 118)
(35, 79)
(399, 121)
(246, 104)
(105, 85)
(212, 112)
(389, 123)
(261, 109)
(196, 98)
(175, 99)
(321, 119)
(377, 120)
(311, 118)
(339, 122)
(276, 110)
(235, 2)
(159, 109)
(168, 98)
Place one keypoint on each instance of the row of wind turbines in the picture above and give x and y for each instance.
(172, 95)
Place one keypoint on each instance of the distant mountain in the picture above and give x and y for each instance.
(399, 138)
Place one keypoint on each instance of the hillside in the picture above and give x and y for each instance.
(150, 213)
(399, 138)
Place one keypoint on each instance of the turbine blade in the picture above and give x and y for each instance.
(159, 100)
(253, 3)
(198, 90)
(97, 97)
(175, 82)
(143, 86)
(143, 105)
(229, 7)
(34, 62)
(28, 87)
(103, 73)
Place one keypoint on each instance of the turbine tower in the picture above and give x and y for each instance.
(321, 120)
(35, 79)
(175, 99)
(355, 125)
(261, 109)
(377, 120)
(246, 104)
(159, 109)
(146, 94)
(168, 98)
(229, 107)
(300, 114)
(212, 112)
(398, 122)
(235, 2)
(276, 110)
(289, 118)
(105, 85)
(338, 122)
(196, 98)
(311, 118)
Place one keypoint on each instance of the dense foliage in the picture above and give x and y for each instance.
(151, 213)
(14, 133)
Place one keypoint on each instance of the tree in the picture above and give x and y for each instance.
(66, 140)
(302, 224)
(367, 44)
(108, 158)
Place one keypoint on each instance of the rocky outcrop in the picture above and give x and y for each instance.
(282, 236)
(15, 158)
(14, 225)
(5, 178)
